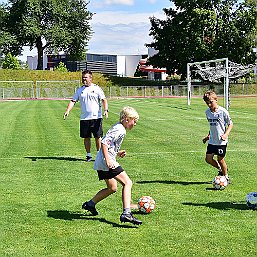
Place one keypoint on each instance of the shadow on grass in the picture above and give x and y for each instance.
(67, 215)
(221, 205)
(60, 158)
(185, 183)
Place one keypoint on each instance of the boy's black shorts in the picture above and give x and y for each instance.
(89, 127)
(219, 150)
(111, 173)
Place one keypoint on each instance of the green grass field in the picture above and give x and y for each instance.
(44, 180)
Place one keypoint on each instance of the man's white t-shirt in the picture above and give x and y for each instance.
(113, 140)
(90, 98)
(218, 121)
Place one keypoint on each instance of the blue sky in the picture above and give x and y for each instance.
(120, 26)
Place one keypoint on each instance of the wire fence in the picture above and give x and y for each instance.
(66, 89)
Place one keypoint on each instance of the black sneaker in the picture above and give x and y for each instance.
(228, 180)
(89, 159)
(220, 173)
(129, 218)
(86, 207)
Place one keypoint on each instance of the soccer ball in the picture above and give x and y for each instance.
(251, 200)
(146, 204)
(220, 182)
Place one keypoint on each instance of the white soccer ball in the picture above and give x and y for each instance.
(146, 204)
(251, 200)
(220, 182)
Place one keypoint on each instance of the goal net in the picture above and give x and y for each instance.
(216, 71)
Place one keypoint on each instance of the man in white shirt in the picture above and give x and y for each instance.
(91, 98)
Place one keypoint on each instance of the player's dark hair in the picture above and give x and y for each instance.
(87, 72)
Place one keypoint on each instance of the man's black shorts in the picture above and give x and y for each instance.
(111, 173)
(219, 150)
(89, 127)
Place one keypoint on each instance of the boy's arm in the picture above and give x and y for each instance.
(205, 139)
(225, 135)
(108, 161)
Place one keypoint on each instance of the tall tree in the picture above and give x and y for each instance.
(204, 30)
(8, 42)
(51, 26)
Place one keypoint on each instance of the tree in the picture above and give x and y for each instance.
(11, 62)
(203, 30)
(51, 26)
(8, 42)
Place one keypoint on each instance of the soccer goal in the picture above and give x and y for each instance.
(218, 70)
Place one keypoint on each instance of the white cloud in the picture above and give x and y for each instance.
(121, 32)
(122, 2)
(120, 39)
(152, 1)
(113, 18)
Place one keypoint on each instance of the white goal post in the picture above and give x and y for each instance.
(214, 70)
(219, 69)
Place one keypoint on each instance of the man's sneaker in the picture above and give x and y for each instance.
(86, 207)
(129, 218)
(89, 159)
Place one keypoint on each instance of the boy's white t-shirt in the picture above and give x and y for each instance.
(90, 98)
(113, 140)
(218, 121)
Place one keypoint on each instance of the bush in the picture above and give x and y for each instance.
(11, 62)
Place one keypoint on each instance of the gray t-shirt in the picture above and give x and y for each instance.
(218, 121)
(90, 98)
(113, 140)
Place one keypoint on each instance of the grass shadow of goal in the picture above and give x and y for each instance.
(59, 158)
(185, 183)
(221, 205)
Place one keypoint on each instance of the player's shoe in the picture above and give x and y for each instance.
(228, 180)
(86, 207)
(220, 173)
(89, 159)
(130, 218)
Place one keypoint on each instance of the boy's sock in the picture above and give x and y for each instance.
(91, 203)
(126, 211)
(89, 155)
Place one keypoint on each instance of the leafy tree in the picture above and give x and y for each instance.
(203, 30)
(50, 26)
(8, 42)
(11, 62)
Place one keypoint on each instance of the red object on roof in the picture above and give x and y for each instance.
(149, 68)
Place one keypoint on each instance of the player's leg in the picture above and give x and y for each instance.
(98, 133)
(102, 194)
(210, 160)
(85, 133)
(110, 189)
(98, 143)
(223, 165)
(126, 182)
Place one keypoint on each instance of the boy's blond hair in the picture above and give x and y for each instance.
(129, 113)
(208, 95)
